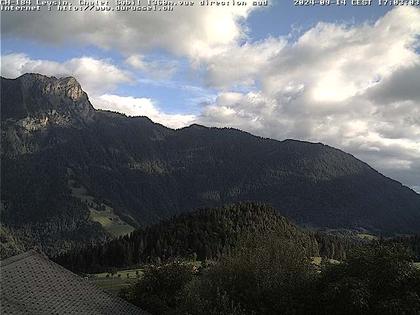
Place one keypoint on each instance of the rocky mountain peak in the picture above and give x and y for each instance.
(65, 87)
(37, 96)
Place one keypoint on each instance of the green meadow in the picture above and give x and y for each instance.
(114, 282)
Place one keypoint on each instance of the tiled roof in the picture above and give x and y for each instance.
(32, 284)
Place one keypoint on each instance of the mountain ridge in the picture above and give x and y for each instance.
(143, 172)
(74, 84)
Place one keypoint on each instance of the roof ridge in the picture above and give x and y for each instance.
(13, 259)
(34, 284)
(36, 261)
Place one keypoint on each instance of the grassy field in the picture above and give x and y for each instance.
(111, 222)
(114, 283)
(368, 237)
(317, 261)
(122, 278)
(132, 273)
(126, 278)
(106, 217)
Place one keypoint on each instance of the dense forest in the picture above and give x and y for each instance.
(202, 234)
(411, 242)
(272, 275)
(250, 261)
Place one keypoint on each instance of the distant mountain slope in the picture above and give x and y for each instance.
(54, 141)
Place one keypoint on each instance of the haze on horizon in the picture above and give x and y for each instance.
(348, 77)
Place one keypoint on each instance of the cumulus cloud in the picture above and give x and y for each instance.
(95, 75)
(156, 69)
(132, 106)
(351, 86)
(403, 84)
(355, 87)
(241, 65)
(192, 31)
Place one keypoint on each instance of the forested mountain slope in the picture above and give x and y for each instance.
(71, 173)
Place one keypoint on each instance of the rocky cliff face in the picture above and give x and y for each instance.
(48, 99)
(33, 102)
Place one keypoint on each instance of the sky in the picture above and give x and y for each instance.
(347, 76)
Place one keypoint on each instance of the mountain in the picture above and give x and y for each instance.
(74, 174)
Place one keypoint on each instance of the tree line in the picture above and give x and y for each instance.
(273, 275)
(200, 235)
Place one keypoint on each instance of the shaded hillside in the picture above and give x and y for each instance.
(202, 234)
(412, 243)
(54, 141)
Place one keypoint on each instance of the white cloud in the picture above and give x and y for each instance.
(132, 106)
(355, 87)
(136, 61)
(95, 75)
(156, 69)
(403, 84)
(351, 86)
(191, 31)
(242, 65)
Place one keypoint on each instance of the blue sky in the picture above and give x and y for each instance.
(342, 75)
(285, 16)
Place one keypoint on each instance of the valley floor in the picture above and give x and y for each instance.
(126, 278)
(114, 282)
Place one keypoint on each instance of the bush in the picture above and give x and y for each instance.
(264, 275)
(272, 275)
(199, 299)
(377, 279)
(159, 290)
